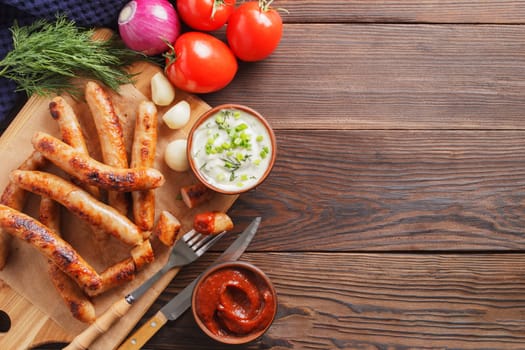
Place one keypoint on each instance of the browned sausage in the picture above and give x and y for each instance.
(80, 203)
(51, 245)
(143, 155)
(167, 228)
(194, 195)
(126, 269)
(142, 255)
(49, 214)
(110, 135)
(15, 197)
(88, 170)
(115, 275)
(71, 131)
(212, 223)
(78, 303)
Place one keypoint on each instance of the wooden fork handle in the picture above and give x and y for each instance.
(100, 326)
(145, 332)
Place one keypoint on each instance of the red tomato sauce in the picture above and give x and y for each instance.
(235, 302)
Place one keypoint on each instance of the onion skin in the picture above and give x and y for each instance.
(146, 25)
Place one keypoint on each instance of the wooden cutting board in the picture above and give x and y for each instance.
(37, 313)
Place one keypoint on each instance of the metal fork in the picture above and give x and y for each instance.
(189, 247)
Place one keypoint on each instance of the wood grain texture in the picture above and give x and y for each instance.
(392, 190)
(378, 301)
(348, 76)
(404, 11)
(394, 216)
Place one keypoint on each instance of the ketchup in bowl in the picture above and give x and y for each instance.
(234, 302)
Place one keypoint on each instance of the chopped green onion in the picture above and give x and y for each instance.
(241, 127)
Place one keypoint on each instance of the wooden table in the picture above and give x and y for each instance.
(395, 215)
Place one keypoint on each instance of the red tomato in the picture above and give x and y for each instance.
(254, 31)
(200, 63)
(206, 15)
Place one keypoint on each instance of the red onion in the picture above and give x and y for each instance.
(145, 24)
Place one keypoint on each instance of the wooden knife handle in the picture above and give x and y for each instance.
(144, 333)
(100, 326)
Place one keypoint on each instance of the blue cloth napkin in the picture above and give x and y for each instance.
(87, 14)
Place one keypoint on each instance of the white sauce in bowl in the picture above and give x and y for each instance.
(231, 150)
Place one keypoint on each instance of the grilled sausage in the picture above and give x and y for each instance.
(143, 155)
(110, 135)
(142, 255)
(71, 131)
(126, 269)
(167, 228)
(115, 275)
(212, 223)
(79, 305)
(88, 170)
(15, 197)
(80, 203)
(195, 195)
(49, 214)
(51, 245)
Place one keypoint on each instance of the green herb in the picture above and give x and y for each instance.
(46, 56)
(232, 164)
(235, 147)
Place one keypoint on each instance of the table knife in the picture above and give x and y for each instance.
(176, 307)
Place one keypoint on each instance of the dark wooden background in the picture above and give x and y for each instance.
(395, 214)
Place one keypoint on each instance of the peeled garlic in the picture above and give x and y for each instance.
(175, 155)
(177, 116)
(162, 92)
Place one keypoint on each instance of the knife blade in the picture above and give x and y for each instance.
(180, 303)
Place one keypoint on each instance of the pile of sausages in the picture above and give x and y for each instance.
(81, 194)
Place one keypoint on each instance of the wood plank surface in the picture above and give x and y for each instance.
(395, 215)
(404, 11)
(392, 190)
(356, 76)
(378, 301)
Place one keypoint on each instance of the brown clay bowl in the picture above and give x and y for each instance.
(201, 295)
(209, 116)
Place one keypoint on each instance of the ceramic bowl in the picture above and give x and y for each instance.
(219, 173)
(217, 289)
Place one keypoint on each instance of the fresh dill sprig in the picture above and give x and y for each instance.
(46, 55)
